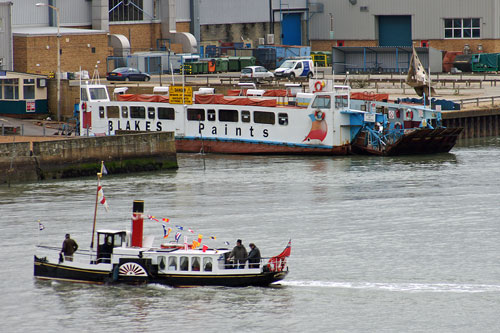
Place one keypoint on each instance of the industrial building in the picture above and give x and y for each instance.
(92, 31)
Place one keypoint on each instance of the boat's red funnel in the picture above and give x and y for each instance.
(137, 223)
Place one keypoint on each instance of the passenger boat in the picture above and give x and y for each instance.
(122, 256)
(330, 121)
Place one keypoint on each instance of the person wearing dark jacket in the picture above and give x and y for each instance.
(253, 256)
(239, 254)
(69, 247)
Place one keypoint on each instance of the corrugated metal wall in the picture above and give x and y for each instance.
(6, 37)
(359, 21)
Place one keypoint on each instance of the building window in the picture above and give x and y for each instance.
(11, 88)
(126, 10)
(29, 89)
(462, 28)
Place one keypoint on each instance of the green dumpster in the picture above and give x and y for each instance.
(234, 64)
(221, 65)
(247, 61)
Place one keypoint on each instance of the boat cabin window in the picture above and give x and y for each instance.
(166, 113)
(113, 111)
(341, 102)
(84, 96)
(161, 262)
(101, 111)
(172, 263)
(262, 117)
(321, 102)
(195, 263)
(124, 112)
(138, 112)
(196, 114)
(151, 113)
(211, 115)
(245, 116)
(184, 263)
(98, 94)
(207, 264)
(283, 119)
(228, 115)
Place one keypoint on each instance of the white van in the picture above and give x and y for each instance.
(295, 68)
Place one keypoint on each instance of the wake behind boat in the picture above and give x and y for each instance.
(122, 256)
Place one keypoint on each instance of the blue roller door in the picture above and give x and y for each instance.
(394, 30)
(291, 29)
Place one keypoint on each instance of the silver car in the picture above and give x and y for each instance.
(256, 72)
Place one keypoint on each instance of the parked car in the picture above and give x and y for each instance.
(295, 68)
(255, 72)
(127, 74)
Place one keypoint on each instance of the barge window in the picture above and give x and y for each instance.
(207, 264)
(113, 111)
(29, 89)
(151, 113)
(124, 112)
(196, 114)
(228, 115)
(262, 117)
(245, 116)
(283, 119)
(83, 93)
(184, 265)
(138, 112)
(98, 94)
(211, 115)
(321, 102)
(195, 263)
(340, 101)
(166, 113)
(172, 263)
(101, 111)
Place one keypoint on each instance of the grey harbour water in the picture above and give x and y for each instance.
(379, 244)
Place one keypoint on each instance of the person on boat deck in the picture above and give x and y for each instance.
(106, 250)
(69, 247)
(239, 254)
(253, 256)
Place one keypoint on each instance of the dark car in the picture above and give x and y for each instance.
(127, 74)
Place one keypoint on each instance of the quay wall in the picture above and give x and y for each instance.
(476, 123)
(80, 157)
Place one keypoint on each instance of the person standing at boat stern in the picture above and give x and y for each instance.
(253, 256)
(69, 247)
(239, 254)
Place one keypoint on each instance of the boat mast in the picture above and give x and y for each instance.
(99, 175)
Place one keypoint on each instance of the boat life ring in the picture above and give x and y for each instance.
(318, 86)
(319, 115)
(409, 115)
(397, 125)
(84, 106)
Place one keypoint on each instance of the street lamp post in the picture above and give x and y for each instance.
(58, 74)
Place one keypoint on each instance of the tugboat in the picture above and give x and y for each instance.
(122, 256)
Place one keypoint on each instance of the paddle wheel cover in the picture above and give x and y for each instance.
(132, 269)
